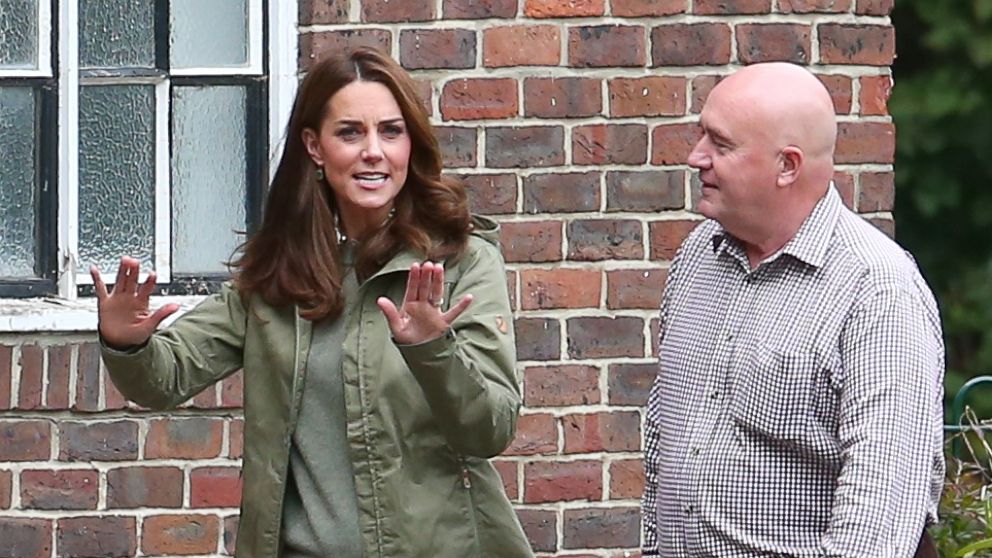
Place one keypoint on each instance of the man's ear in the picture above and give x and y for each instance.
(312, 143)
(790, 161)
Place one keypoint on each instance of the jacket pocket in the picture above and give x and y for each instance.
(772, 392)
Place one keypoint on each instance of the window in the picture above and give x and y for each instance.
(134, 127)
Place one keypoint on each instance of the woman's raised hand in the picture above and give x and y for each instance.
(419, 318)
(125, 319)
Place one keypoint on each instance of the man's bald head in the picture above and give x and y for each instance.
(785, 103)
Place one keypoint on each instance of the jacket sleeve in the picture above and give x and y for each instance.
(467, 374)
(198, 349)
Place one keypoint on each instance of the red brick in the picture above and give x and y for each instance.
(180, 534)
(323, 11)
(26, 538)
(635, 288)
(521, 45)
(667, 236)
(459, 146)
(561, 385)
(877, 192)
(810, 6)
(560, 481)
(6, 354)
(772, 42)
(508, 473)
(215, 487)
(839, 87)
(874, 7)
(844, 184)
(541, 528)
(605, 239)
(112, 398)
(538, 338)
(98, 441)
(230, 534)
(492, 193)
(6, 486)
(315, 46)
(425, 92)
(564, 97)
(647, 96)
(206, 399)
(655, 326)
(525, 146)
(884, 224)
(559, 288)
(531, 241)
(630, 383)
(235, 437)
(105, 536)
(32, 364)
(618, 144)
(701, 87)
(88, 378)
(699, 44)
(874, 95)
(437, 48)
(192, 438)
(561, 192)
(511, 286)
(479, 98)
(25, 440)
(399, 12)
(648, 8)
(727, 7)
(568, 8)
(872, 45)
(865, 142)
(655, 190)
(232, 391)
(612, 431)
(601, 528)
(479, 9)
(626, 479)
(67, 489)
(536, 435)
(672, 143)
(602, 337)
(606, 46)
(144, 487)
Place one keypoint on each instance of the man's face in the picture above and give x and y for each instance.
(737, 163)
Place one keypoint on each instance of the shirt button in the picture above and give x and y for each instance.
(688, 509)
(715, 395)
(695, 451)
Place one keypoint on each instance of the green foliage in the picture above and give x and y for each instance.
(942, 107)
(965, 528)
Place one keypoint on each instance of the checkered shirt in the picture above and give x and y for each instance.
(797, 408)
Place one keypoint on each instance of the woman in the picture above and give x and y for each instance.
(370, 315)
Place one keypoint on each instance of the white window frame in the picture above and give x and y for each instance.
(44, 69)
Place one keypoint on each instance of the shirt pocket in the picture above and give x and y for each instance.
(772, 393)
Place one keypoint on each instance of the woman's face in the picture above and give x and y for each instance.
(364, 148)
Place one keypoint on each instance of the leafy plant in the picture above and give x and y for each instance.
(965, 527)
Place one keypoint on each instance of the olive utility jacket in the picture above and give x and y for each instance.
(422, 419)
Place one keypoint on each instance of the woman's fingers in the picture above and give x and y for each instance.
(98, 285)
(437, 286)
(452, 314)
(391, 313)
(424, 286)
(147, 288)
(159, 315)
(412, 284)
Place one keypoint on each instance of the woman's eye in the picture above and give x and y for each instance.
(348, 133)
(393, 131)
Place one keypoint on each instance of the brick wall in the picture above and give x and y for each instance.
(571, 121)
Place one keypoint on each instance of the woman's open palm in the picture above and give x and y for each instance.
(125, 319)
(420, 318)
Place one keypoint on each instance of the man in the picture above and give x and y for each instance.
(797, 409)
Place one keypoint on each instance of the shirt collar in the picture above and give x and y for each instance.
(810, 243)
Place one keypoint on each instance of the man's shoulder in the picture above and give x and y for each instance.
(700, 239)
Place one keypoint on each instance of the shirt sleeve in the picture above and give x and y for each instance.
(890, 427)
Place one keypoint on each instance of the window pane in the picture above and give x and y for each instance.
(19, 34)
(116, 174)
(18, 167)
(208, 177)
(208, 33)
(117, 33)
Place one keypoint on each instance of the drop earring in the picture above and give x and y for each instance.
(320, 174)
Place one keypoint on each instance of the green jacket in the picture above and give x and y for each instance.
(422, 419)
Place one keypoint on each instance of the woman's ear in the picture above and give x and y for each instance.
(312, 144)
(790, 161)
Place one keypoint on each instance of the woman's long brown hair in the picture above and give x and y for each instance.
(294, 256)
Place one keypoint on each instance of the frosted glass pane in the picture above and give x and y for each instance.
(117, 33)
(19, 34)
(17, 181)
(208, 33)
(208, 177)
(116, 174)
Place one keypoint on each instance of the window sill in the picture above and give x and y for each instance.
(57, 315)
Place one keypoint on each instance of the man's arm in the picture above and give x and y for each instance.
(889, 420)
